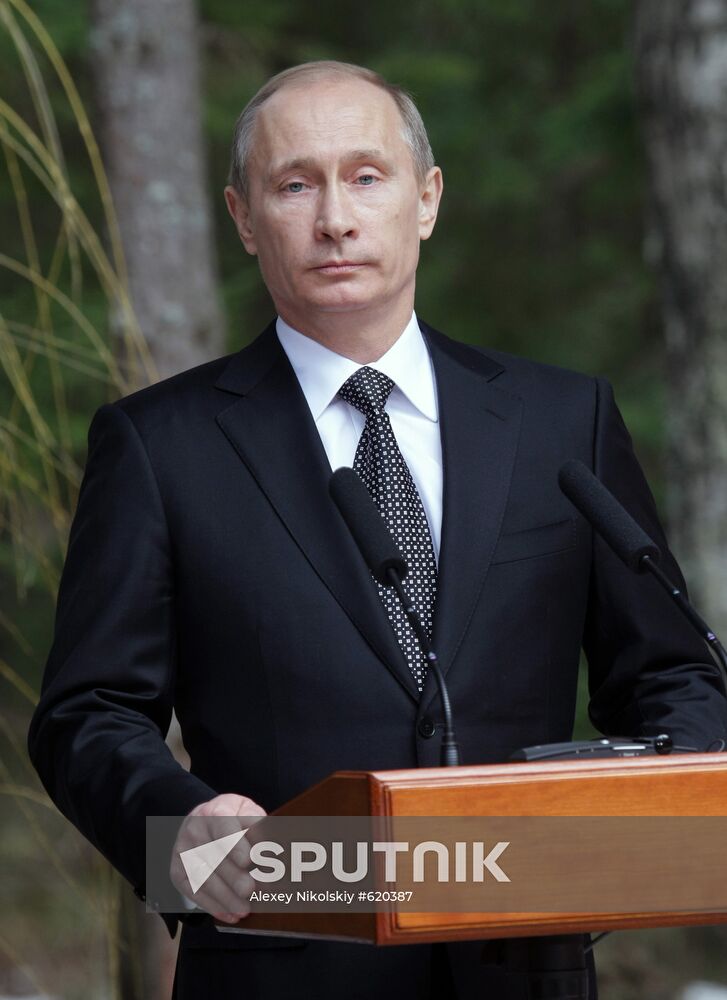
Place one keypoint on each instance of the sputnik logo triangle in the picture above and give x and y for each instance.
(200, 862)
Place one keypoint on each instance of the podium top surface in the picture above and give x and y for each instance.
(675, 784)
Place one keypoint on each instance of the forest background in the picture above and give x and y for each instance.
(583, 224)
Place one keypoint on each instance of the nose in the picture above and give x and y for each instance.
(335, 219)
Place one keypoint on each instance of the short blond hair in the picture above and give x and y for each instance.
(413, 131)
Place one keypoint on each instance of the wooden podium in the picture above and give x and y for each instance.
(687, 785)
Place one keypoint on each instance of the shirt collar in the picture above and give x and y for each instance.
(321, 372)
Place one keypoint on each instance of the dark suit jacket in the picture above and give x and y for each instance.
(208, 570)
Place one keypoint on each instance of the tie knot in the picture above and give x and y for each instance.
(367, 389)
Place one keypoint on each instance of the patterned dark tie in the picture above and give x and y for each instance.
(381, 466)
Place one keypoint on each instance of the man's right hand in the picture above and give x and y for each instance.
(226, 893)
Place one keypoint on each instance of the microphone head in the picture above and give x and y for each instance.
(369, 530)
(603, 511)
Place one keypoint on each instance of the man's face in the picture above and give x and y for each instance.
(334, 209)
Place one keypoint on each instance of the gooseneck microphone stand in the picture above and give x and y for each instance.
(450, 749)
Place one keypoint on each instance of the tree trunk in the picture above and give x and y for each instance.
(147, 85)
(146, 64)
(681, 48)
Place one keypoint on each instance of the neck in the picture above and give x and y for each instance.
(362, 336)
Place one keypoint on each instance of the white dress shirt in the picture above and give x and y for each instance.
(412, 407)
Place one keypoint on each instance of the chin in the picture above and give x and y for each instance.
(342, 304)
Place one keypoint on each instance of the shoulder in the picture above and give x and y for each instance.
(190, 398)
(157, 417)
(187, 387)
(512, 372)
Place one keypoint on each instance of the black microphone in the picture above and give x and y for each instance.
(367, 526)
(382, 556)
(603, 511)
(629, 541)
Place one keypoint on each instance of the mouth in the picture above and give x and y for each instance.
(339, 267)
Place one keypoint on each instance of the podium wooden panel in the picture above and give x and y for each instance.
(676, 785)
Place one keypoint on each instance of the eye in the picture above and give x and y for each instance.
(366, 180)
(294, 187)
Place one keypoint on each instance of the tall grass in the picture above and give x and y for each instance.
(67, 333)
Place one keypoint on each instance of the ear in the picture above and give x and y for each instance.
(239, 209)
(429, 198)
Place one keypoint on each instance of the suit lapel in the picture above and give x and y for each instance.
(271, 428)
(480, 427)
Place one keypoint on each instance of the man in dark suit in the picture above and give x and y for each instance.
(208, 571)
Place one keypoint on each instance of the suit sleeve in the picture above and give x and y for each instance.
(649, 672)
(97, 735)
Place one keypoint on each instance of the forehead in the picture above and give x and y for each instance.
(327, 116)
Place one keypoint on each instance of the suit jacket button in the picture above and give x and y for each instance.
(426, 728)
